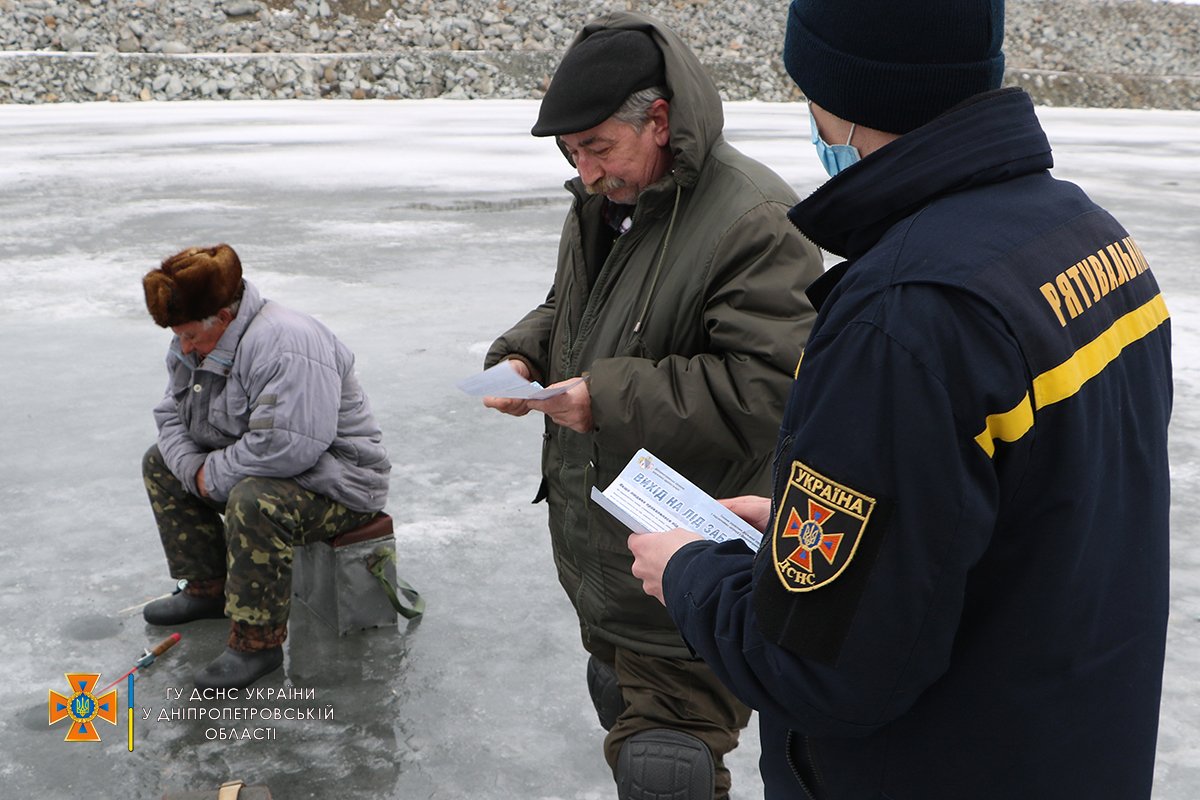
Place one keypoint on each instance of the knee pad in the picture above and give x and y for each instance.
(605, 692)
(663, 764)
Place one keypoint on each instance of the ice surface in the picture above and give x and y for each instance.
(417, 231)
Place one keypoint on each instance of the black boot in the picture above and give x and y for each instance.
(252, 652)
(182, 607)
(237, 669)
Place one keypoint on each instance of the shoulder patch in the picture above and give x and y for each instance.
(818, 528)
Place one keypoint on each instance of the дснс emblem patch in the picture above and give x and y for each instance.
(817, 529)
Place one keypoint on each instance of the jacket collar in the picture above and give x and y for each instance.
(220, 360)
(819, 290)
(252, 303)
(989, 138)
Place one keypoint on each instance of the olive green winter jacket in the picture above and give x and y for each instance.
(691, 334)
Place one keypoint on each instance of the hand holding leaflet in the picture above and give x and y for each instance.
(648, 497)
(502, 380)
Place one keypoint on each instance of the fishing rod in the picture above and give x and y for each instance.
(148, 658)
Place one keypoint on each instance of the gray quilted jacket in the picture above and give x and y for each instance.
(276, 398)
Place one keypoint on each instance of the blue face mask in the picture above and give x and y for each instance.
(834, 157)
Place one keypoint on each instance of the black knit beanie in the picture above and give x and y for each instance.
(894, 65)
(596, 77)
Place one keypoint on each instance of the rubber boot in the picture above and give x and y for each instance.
(203, 599)
(253, 651)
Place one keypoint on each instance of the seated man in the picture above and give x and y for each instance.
(265, 424)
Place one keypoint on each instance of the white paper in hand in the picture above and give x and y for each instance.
(502, 380)
(649, 497)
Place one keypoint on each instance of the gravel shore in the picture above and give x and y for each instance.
(1105, 53)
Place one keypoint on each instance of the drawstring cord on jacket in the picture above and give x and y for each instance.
(662, 256)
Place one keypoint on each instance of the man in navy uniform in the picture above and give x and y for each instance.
(962, 590)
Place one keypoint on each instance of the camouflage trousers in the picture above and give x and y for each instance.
(245, 542)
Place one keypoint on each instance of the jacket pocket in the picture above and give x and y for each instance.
(228, 410)
(543, 490)
(637, 348)
(605, 532)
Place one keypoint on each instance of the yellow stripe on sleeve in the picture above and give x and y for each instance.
(1007, 427)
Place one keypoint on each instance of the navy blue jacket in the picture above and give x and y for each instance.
(963, 589)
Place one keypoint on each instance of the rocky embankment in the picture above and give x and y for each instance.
(1107, 53)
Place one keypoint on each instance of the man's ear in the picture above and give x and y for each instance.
(224, 316)
(660, 116)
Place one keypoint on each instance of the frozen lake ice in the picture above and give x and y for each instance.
(417, 231)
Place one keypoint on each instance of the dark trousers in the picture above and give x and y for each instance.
(676, 694)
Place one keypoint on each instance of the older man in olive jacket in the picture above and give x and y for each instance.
(680, 293)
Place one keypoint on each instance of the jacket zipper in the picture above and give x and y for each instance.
(570, 335)
(662, 256)
(587, 318)
(791, 762)
(783, 448)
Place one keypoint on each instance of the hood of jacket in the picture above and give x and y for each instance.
(220, 359)
(992, 137)
(696, 115)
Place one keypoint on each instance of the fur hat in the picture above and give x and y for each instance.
(193, 285)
